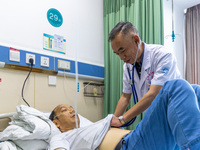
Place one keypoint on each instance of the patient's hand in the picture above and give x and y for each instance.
(115, 122)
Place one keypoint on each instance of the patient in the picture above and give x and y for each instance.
(172, 121)
(63, 116)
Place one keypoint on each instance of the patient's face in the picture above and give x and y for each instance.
(65, 118)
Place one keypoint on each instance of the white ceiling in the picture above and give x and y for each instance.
(186, 3)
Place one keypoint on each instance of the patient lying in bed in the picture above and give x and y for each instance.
(31, 129)
(172, 121)
(95, 135)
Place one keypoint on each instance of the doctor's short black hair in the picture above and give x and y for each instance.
(124, 28)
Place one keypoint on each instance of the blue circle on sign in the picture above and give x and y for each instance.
(54, 17)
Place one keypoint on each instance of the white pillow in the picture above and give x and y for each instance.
(84, 121)
(47, 114)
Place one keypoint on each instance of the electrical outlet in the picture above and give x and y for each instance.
(28, 56)
(44, 61)
(62, 64)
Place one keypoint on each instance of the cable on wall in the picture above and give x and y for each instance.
(31, 62)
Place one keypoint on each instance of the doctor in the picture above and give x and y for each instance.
(146, 68)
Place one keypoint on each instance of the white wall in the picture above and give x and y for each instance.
(178, 45)
(23, 23)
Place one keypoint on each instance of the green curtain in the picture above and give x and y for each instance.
(147, 17)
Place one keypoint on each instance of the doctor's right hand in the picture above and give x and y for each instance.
(115, 122)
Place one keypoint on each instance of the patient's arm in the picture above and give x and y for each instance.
(112, 137)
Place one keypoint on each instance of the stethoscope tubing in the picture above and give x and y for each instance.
(135, 97)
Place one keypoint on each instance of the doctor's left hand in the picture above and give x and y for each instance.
(115, 122)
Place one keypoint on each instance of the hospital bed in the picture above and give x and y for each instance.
(4, 120)
(32, 142)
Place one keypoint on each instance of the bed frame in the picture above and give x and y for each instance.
(5, 119)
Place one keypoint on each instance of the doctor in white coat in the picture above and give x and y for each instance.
(149, 65)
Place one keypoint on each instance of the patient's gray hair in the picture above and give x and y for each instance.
(52, 115)
(125, 28)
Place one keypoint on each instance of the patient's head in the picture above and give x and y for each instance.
(63, 116)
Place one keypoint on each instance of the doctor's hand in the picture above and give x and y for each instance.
(115, 122)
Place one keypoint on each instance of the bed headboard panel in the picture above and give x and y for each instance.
(4, 122)
(5, 119)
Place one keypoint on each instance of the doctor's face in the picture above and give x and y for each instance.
(125, 47)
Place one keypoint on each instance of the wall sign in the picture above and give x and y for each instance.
(54, 43)
(54, 17)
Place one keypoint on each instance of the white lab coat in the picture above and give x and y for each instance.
(158, 66)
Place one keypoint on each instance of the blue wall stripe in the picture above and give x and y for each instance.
(83, 68)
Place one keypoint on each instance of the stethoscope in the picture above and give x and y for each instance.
(135, 97)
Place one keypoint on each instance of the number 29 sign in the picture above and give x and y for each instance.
(54, 17)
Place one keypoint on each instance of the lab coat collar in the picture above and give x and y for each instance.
(145, 65)
(146, 60)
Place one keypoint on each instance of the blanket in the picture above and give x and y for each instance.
(8, 145)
